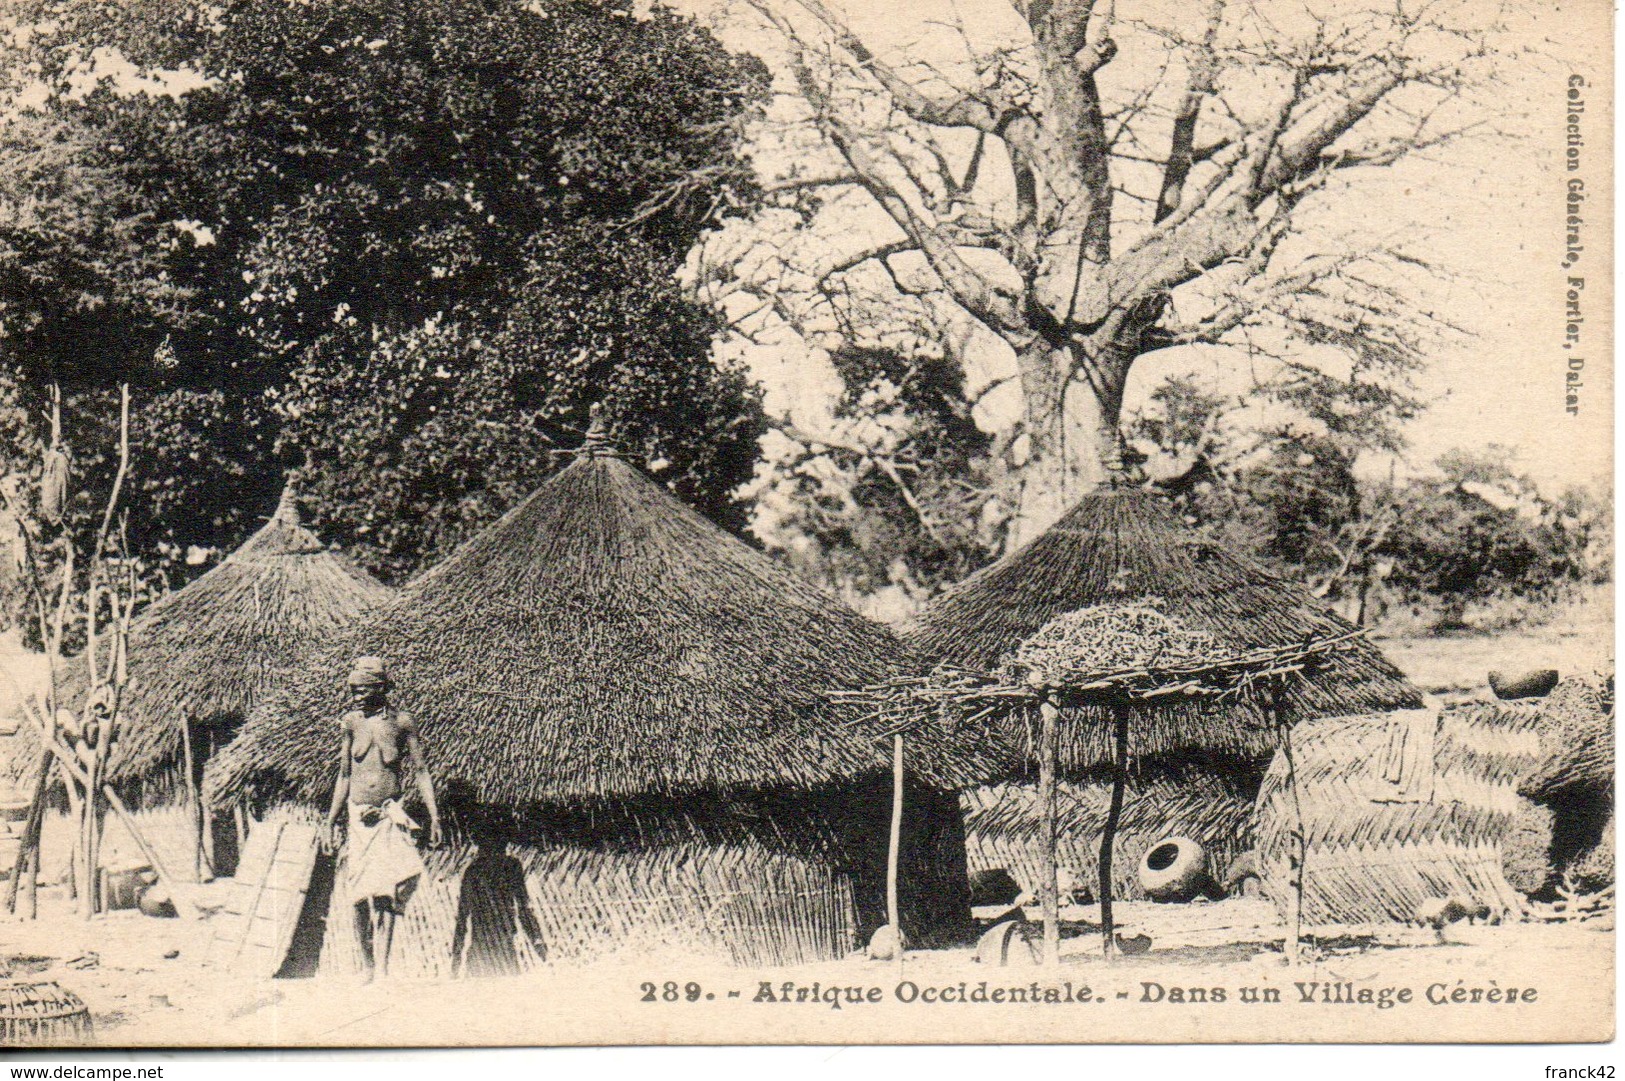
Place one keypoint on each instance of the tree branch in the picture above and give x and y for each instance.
(1204, 68)
(969, 289)
(967, 111)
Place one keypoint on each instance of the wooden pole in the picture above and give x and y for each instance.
(76, 872)
(28, 845)
(1296, 853)
(1049, 889)
(1108, 836)
(201, 864)
(894, 849)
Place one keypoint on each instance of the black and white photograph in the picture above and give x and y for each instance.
(541, 523)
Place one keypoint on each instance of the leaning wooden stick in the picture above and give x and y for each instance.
(182, 905)
(893, 853)
(1049, 889)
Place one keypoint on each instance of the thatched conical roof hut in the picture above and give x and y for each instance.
(207, 653)
(601, 641)
(1122, 545)
(200, 659)
(211, 651)
(644, 697)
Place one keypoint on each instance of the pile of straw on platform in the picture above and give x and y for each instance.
(1077, 647)
(1380, 841)
(1106, 664)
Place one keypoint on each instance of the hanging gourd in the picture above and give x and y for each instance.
(53, 488)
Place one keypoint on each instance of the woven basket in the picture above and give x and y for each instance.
(42, 1015)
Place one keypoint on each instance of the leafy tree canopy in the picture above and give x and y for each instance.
(405, 243)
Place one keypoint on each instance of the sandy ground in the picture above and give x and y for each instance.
(1580, 639)
(144, 984)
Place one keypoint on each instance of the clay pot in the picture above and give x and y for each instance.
(1174, 869)
(154, 901)
(993, 887)
(1535, 683)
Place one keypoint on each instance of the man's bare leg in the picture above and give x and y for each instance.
(384, 935)
(364, 936)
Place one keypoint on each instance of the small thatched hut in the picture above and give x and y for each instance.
(1574, 780)
(634, 703)
(202, 657)
(1119, 545)
(1398, 809)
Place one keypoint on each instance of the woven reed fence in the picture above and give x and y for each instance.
(738, 904)
(1376, 847)
(167, 829)
(751, 878)
(742, 904)
(426, 943)
(1003, 823)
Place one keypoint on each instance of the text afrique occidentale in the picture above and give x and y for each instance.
(988, 992)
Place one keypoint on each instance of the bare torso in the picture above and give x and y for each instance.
(377, 741)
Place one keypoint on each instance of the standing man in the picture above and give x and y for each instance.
(382, 865)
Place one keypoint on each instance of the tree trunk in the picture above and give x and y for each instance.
(1073, 444)
(28, 844)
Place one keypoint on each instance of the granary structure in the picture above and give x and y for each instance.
(202, 657)
(1196, 766)
(630, 706)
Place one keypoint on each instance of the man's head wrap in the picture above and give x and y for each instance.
(369, 672)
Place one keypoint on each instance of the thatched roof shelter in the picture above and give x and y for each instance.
(208, 653)
(1123, 545)
(601, 641)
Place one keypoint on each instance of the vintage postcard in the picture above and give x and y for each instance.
(581, 522)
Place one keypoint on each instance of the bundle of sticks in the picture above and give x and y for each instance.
(1177, 662)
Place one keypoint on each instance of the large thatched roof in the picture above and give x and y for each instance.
(1121, 545)
(210, 651)
(600, 641)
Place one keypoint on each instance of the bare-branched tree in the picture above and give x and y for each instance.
(1089, 184)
